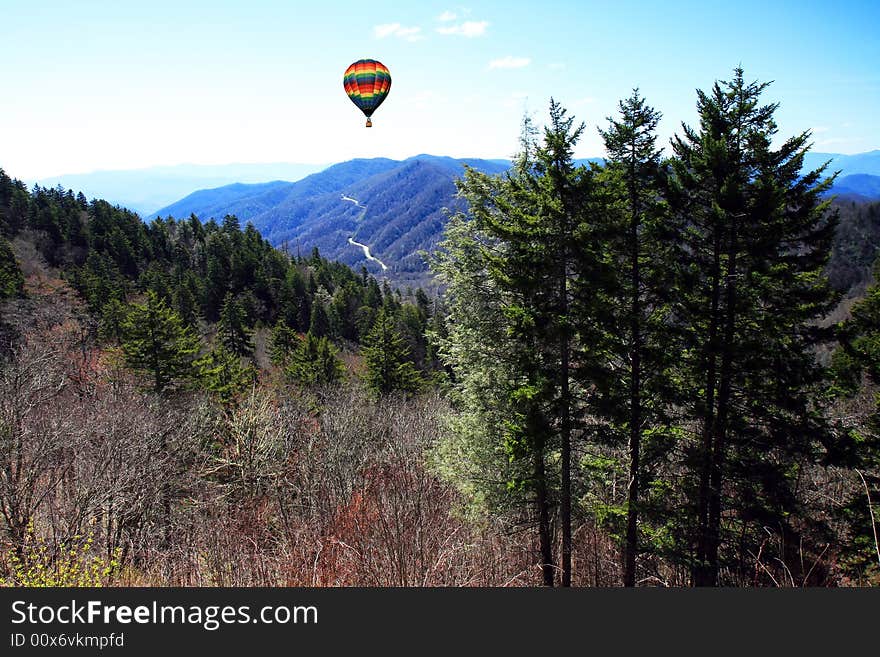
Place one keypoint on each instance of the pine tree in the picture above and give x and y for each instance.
(222, 374)
(315, 362)
(546, 222)
(11, 278)
(856, 373)
(156, 342)
(283, 344)
(343, 312)
(232, 329)
(754, 236)
(638, 353)
(487, 451)
(112, 323)
(294, 300)
(387, 359)
(319, 325)
(218, 273)
(532, 238)
(185, 299)
(423, 303)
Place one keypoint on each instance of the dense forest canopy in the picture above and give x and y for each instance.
(660, 371)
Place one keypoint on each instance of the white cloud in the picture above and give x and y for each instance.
(466, 29)
(510, 62)
(397, 30)
(446, 16)
(556, 66)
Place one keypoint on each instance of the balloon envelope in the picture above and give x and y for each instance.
(367, 83)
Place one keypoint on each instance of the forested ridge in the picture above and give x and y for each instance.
(660, 371)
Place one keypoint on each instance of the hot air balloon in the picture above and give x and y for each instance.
(367, 83)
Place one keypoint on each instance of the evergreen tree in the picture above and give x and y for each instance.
(11, 278)
(294, 300)
(315, 362)
(320, 321)
(283, 344)
(222, 374)
(343, 312)
(755, 237)
(423, 303)
(533, 241)
(542, 219)
(487, 453)
(218, 274)
(112, 325)
(387, 359)
(436, 335)
(156, 342)
(14, 201)
(638, 349)
(185, 298)
(232, 329)
(856, 370)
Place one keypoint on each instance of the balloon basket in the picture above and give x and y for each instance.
(369, 123)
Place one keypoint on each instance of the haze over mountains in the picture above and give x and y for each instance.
(147, 190)
(400, 207)
(399, 210)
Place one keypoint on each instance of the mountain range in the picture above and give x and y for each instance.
(147, 190)
(394, 207)
(392, 210)
(864, 163)
(859, 174)
(398, 208)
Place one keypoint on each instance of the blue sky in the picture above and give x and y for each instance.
(92, 85)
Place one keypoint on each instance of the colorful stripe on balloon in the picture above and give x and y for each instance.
(367, 83)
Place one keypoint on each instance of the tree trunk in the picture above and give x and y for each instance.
(564, 234)
(699, 574)
(548, 567)
(635, 403)
(713, 527)
(565, 397)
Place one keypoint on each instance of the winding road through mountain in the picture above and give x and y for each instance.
(366, 249)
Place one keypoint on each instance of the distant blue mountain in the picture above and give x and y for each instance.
(858, 186)
(859, 174)
(406, 205)
(406, 201)
(868, 163)
(147, 190)
(252, 199)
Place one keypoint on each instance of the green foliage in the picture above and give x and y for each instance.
(156, 342)
(754, 238)
(113, 316)
(315, 362)
(222, 374)
(856, 245)
(512, 271)
(319, 325)
(638, 346)
(232, 329)
(859, 337)
(856, 373)
(674, 299)
(388, 365)
(283, 343)
(11, 278)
